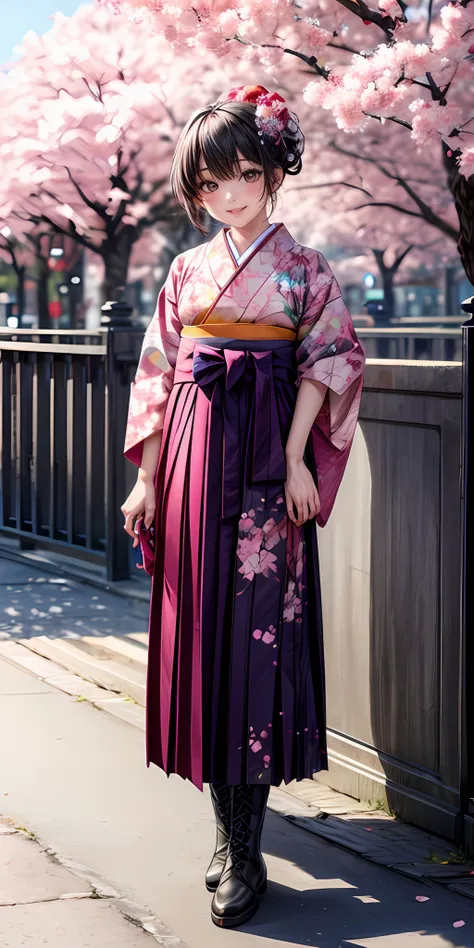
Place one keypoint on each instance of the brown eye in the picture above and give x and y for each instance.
(208, 186)
(252, 175)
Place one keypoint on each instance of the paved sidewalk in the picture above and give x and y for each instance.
(92, 644)
(76, 779)
(43, 902)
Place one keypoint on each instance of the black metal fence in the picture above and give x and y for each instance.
(64, 399)
(433, 343)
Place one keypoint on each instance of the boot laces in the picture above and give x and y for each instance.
(222, 797)
(241, 829)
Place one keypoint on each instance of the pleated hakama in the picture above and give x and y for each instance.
(235, 687)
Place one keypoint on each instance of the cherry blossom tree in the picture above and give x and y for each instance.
(385, 240)
(27, 249)
(374, 196)
(19, 257)
(89, 116)
(374, 62)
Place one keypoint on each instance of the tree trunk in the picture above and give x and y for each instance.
(388, 294)
(42, 299)
(387, 274)
(451, 305)
(463, 192)
(20, 292)
(116, 254)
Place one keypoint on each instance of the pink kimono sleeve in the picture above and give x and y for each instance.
(154, 377)
(330, 352)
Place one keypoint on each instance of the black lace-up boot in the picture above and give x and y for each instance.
(244, 877)
(221, 801)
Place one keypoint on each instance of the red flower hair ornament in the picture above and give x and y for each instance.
(272, 117)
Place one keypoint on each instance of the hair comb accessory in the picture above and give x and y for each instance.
(272, 118)
(271, 115)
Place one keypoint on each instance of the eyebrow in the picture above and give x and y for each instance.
(237, 159)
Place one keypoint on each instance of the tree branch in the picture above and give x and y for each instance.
(360, 9)
(69, 231)
(427, 213)
(309, 60)
(386, 270)
(93, 205)
(395, 207)
(389, 118)
(440, 224)
(345, 48)
(329, 184)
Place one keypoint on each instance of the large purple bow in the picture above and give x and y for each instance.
(268, 462)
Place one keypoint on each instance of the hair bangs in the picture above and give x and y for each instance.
(221, 138)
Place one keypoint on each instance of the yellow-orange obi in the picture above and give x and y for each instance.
(238, 331)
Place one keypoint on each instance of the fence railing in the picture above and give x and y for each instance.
(407, 342)
(64, 399)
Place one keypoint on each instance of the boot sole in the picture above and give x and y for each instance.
(232, 921)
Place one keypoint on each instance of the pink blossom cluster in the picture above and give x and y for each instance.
(385, 78)
(89, 116)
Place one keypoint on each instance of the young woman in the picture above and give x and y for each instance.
(241, 419)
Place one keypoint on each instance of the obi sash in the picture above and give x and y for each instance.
(238, 331)
(218, 368)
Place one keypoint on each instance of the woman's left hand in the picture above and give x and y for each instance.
(300, 492)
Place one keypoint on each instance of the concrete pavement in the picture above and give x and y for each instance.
(44, 903)
(75, 777)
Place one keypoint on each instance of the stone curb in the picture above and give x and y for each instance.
(134, 913)
(458, 877)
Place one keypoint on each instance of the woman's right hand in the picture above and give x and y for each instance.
(141, 502)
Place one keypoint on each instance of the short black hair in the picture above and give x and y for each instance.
(216, 134)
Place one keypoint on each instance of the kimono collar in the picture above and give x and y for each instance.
(222, 264)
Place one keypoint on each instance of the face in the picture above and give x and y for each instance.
(236, 201)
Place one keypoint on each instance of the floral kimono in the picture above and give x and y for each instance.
(235, 687)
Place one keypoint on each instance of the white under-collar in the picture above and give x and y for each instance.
(239, 258)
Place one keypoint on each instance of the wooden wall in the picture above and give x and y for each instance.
(390, 570)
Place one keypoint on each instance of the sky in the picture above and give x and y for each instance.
(19, 16)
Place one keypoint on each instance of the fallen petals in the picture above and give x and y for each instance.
(422, 898)
(459, 924)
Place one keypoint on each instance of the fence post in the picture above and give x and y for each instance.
(123, 342)
(467, 568)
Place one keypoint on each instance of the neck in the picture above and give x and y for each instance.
(244, 236)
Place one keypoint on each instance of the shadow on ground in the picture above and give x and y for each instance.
(33, 603)
(345, 901)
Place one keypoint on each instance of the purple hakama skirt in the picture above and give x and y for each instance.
(235, 686)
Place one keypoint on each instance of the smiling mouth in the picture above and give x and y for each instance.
(237, 210)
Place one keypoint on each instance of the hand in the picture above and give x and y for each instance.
(300, 491)
(141, 502)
